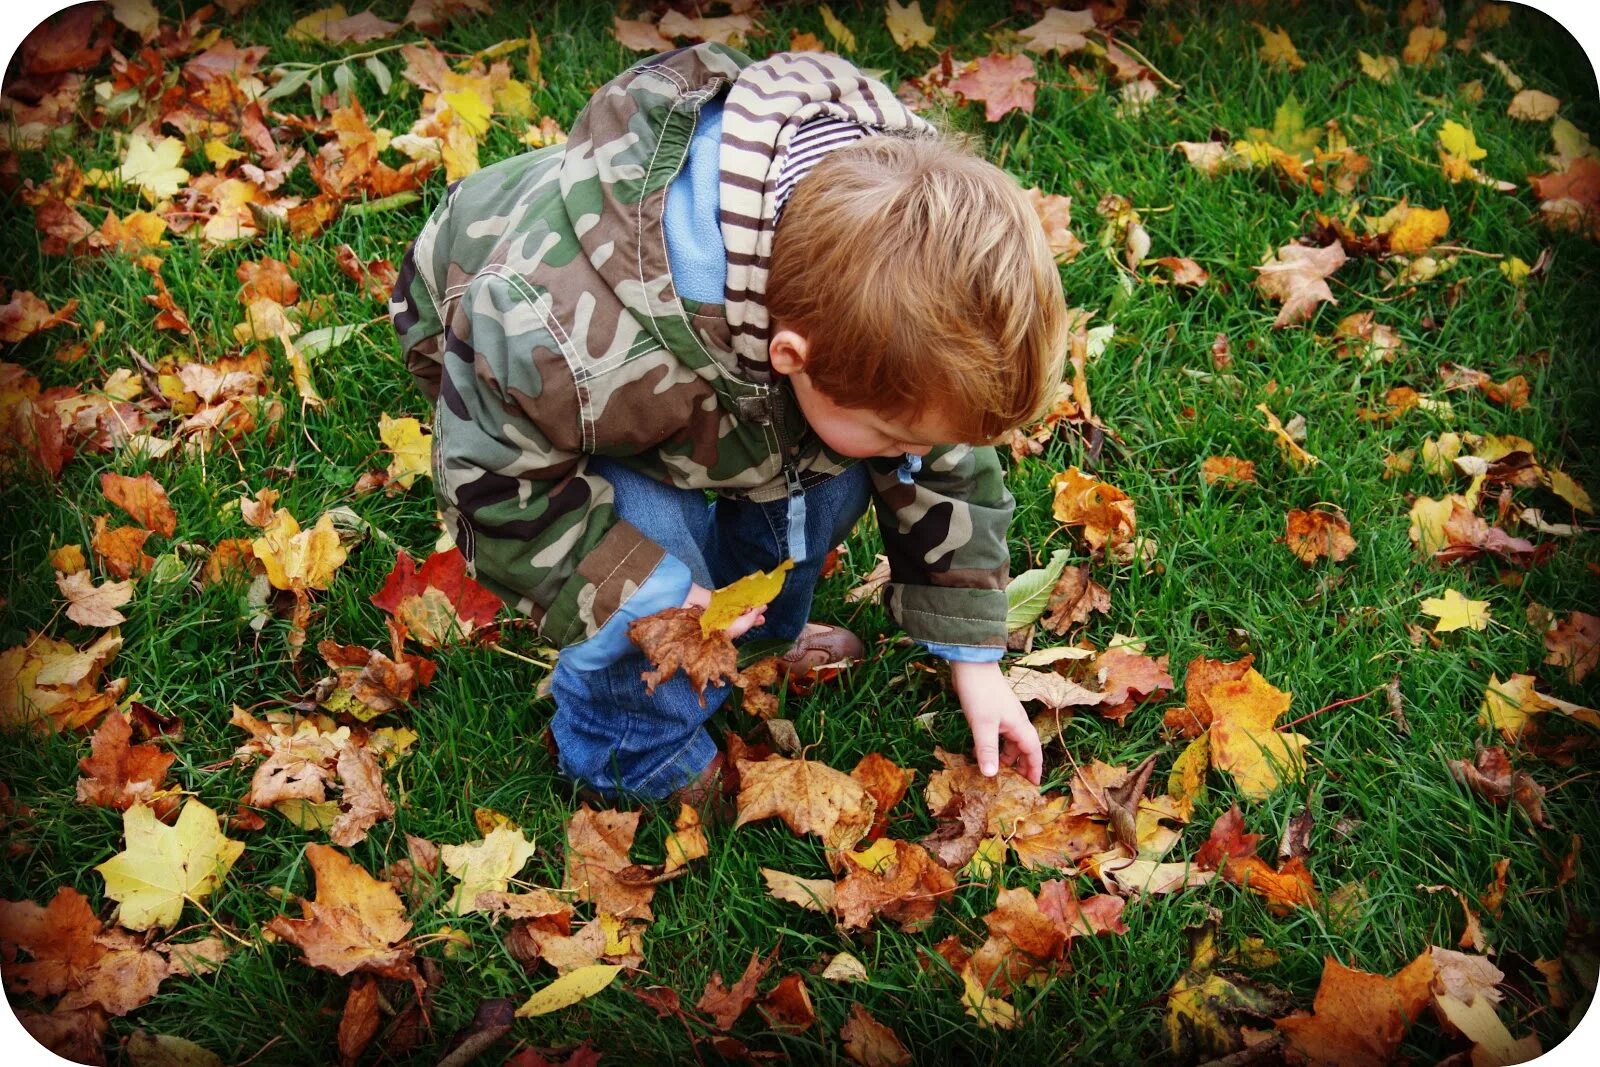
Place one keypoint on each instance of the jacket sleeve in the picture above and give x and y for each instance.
(944, 530)
(538, 528)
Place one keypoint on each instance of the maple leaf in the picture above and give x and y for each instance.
(94, 605)
(1205, 1005)
(49, 684)
(787, 1006)
(905, 886)
(1003, 82)
(1277, 50)
(870, 1043)
(151, 165)
(1231, 853)
(726, 29)
(1491, 777)
(1378, 68)
(1055, 215)
(1358, 1017)
(163, 866)
(1422, 45)
(1229, 469)
(598, 867)
(370, 683)
(120, 549)
(61, 938)
(1510, 706)
(355, 922)
(1104, 511)
(144, 499)
(1296, 276)
(812, 894)
(810, 797)
(640, 35)
(363, 800)
(438, 604)
(299, 559)
(1456, 612)
(1243, 741)
(673, 639)
(117, 775)
(907, 26)
(1413, 230)
(334, 25)
(411, 447)
(1574, 643)
(727, 1003)
(1073, 599)
(1060, 31)
(483, 866)
(267, 278)
(1311, 535)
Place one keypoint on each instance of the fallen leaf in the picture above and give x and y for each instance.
(734, 599)
(1243, 741)
(1357, 1017)
(1287, 445)
(810, 797)
(1230, 469)
(355, 922)
(1574, 644)
(870, 1043)
(1003, 83)
(905, 888)
(907, 26)
(438, 605)
(569, 989)
(1456, 612)
(299, 559)
(161, 867)
(1422, 45)
(1531, 105)
(1491, 777)
(94, 605)
(1296, 277)
(727, 1003)
(1105, 512)
(486, 865)
(1059, 31)
(812, 894)
(1312, 535)
(1277, 50)
(144, 499)
(117, 775)
(597, 855)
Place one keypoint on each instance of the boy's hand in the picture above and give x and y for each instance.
(994, 713)
(699, 596)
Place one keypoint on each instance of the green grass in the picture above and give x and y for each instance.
(1324, 632)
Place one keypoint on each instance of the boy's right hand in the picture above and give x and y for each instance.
(699, 596)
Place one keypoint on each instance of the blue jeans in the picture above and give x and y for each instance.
(614, 737)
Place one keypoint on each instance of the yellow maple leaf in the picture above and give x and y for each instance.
(907, 26)
(484, 866)
(1243, 741)
(1277, 49)
(1413, 230)
(1378, 68)
(313, 27)
(991, 1012)
(151, 165)
(1423, 44)
(219, 155)
(735, 598)
(412, 448)
(163, 866)
(296, 558)
(459, 150)
(469, 111)
(1459, 141)
(1510, 706)
(1456, 612)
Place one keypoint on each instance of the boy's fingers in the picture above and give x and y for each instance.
(1024, 740)
(986, 746)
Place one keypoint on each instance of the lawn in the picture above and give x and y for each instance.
(1217, 578)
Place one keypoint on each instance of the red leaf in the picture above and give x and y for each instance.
(438, 602)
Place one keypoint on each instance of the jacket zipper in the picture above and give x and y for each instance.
(796, 525)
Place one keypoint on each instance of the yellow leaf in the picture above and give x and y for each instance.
(1413, 230)
(1562, 485)
(986, 861)
(1277, 49)
(907, 26)
(470, 111)
(991, 1012)
(299, 559)
(735, 598)
(484, 866)
(313, 26)
(1378, 68)
(1456, 612)
(459, 152)
(68, 559)
(837, 30)
(1423, 44)
(575, 985)
(1516, 269)
(412, 448)
(514, 98)
(162, 866)
(219, 155)
(1459, 141)
(152, 166)
(1187, 780)
(1287, 445)
(1243, 741)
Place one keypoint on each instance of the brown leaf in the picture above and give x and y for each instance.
(1491, 777)
(787, 1006)
(119, 776)
(120, 549)
(1003, 82)
(356, 923)
(144, 499)
(1230, 469)
(269, 278)
(1296, 277)
(885, 783)
(1574, 643)
(1311, 535)
(365, 799)
(727, 1003)
(810, 797)
(905, 887)
(870, 1043)
(1074, 598)
(59, 937)
(597, 852)
(359, 1023)
(1359, 1018)
(1200, 675)
(94, 605)
(672, 639)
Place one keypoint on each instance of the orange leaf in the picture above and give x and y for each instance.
(144, 499)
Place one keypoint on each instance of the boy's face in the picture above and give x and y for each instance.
(856, 432)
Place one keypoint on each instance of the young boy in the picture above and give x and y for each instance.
(767, 279)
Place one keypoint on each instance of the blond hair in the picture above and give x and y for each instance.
(922, 282)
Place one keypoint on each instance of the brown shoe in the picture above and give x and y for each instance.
(705, 794)
(831, 644)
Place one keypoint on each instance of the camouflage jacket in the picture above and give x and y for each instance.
(537, 307)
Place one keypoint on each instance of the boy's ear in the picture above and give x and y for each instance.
(787, 352)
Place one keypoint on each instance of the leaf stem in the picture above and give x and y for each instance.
(1326, 708)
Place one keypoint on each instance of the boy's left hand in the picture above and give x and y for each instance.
(994, 713)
